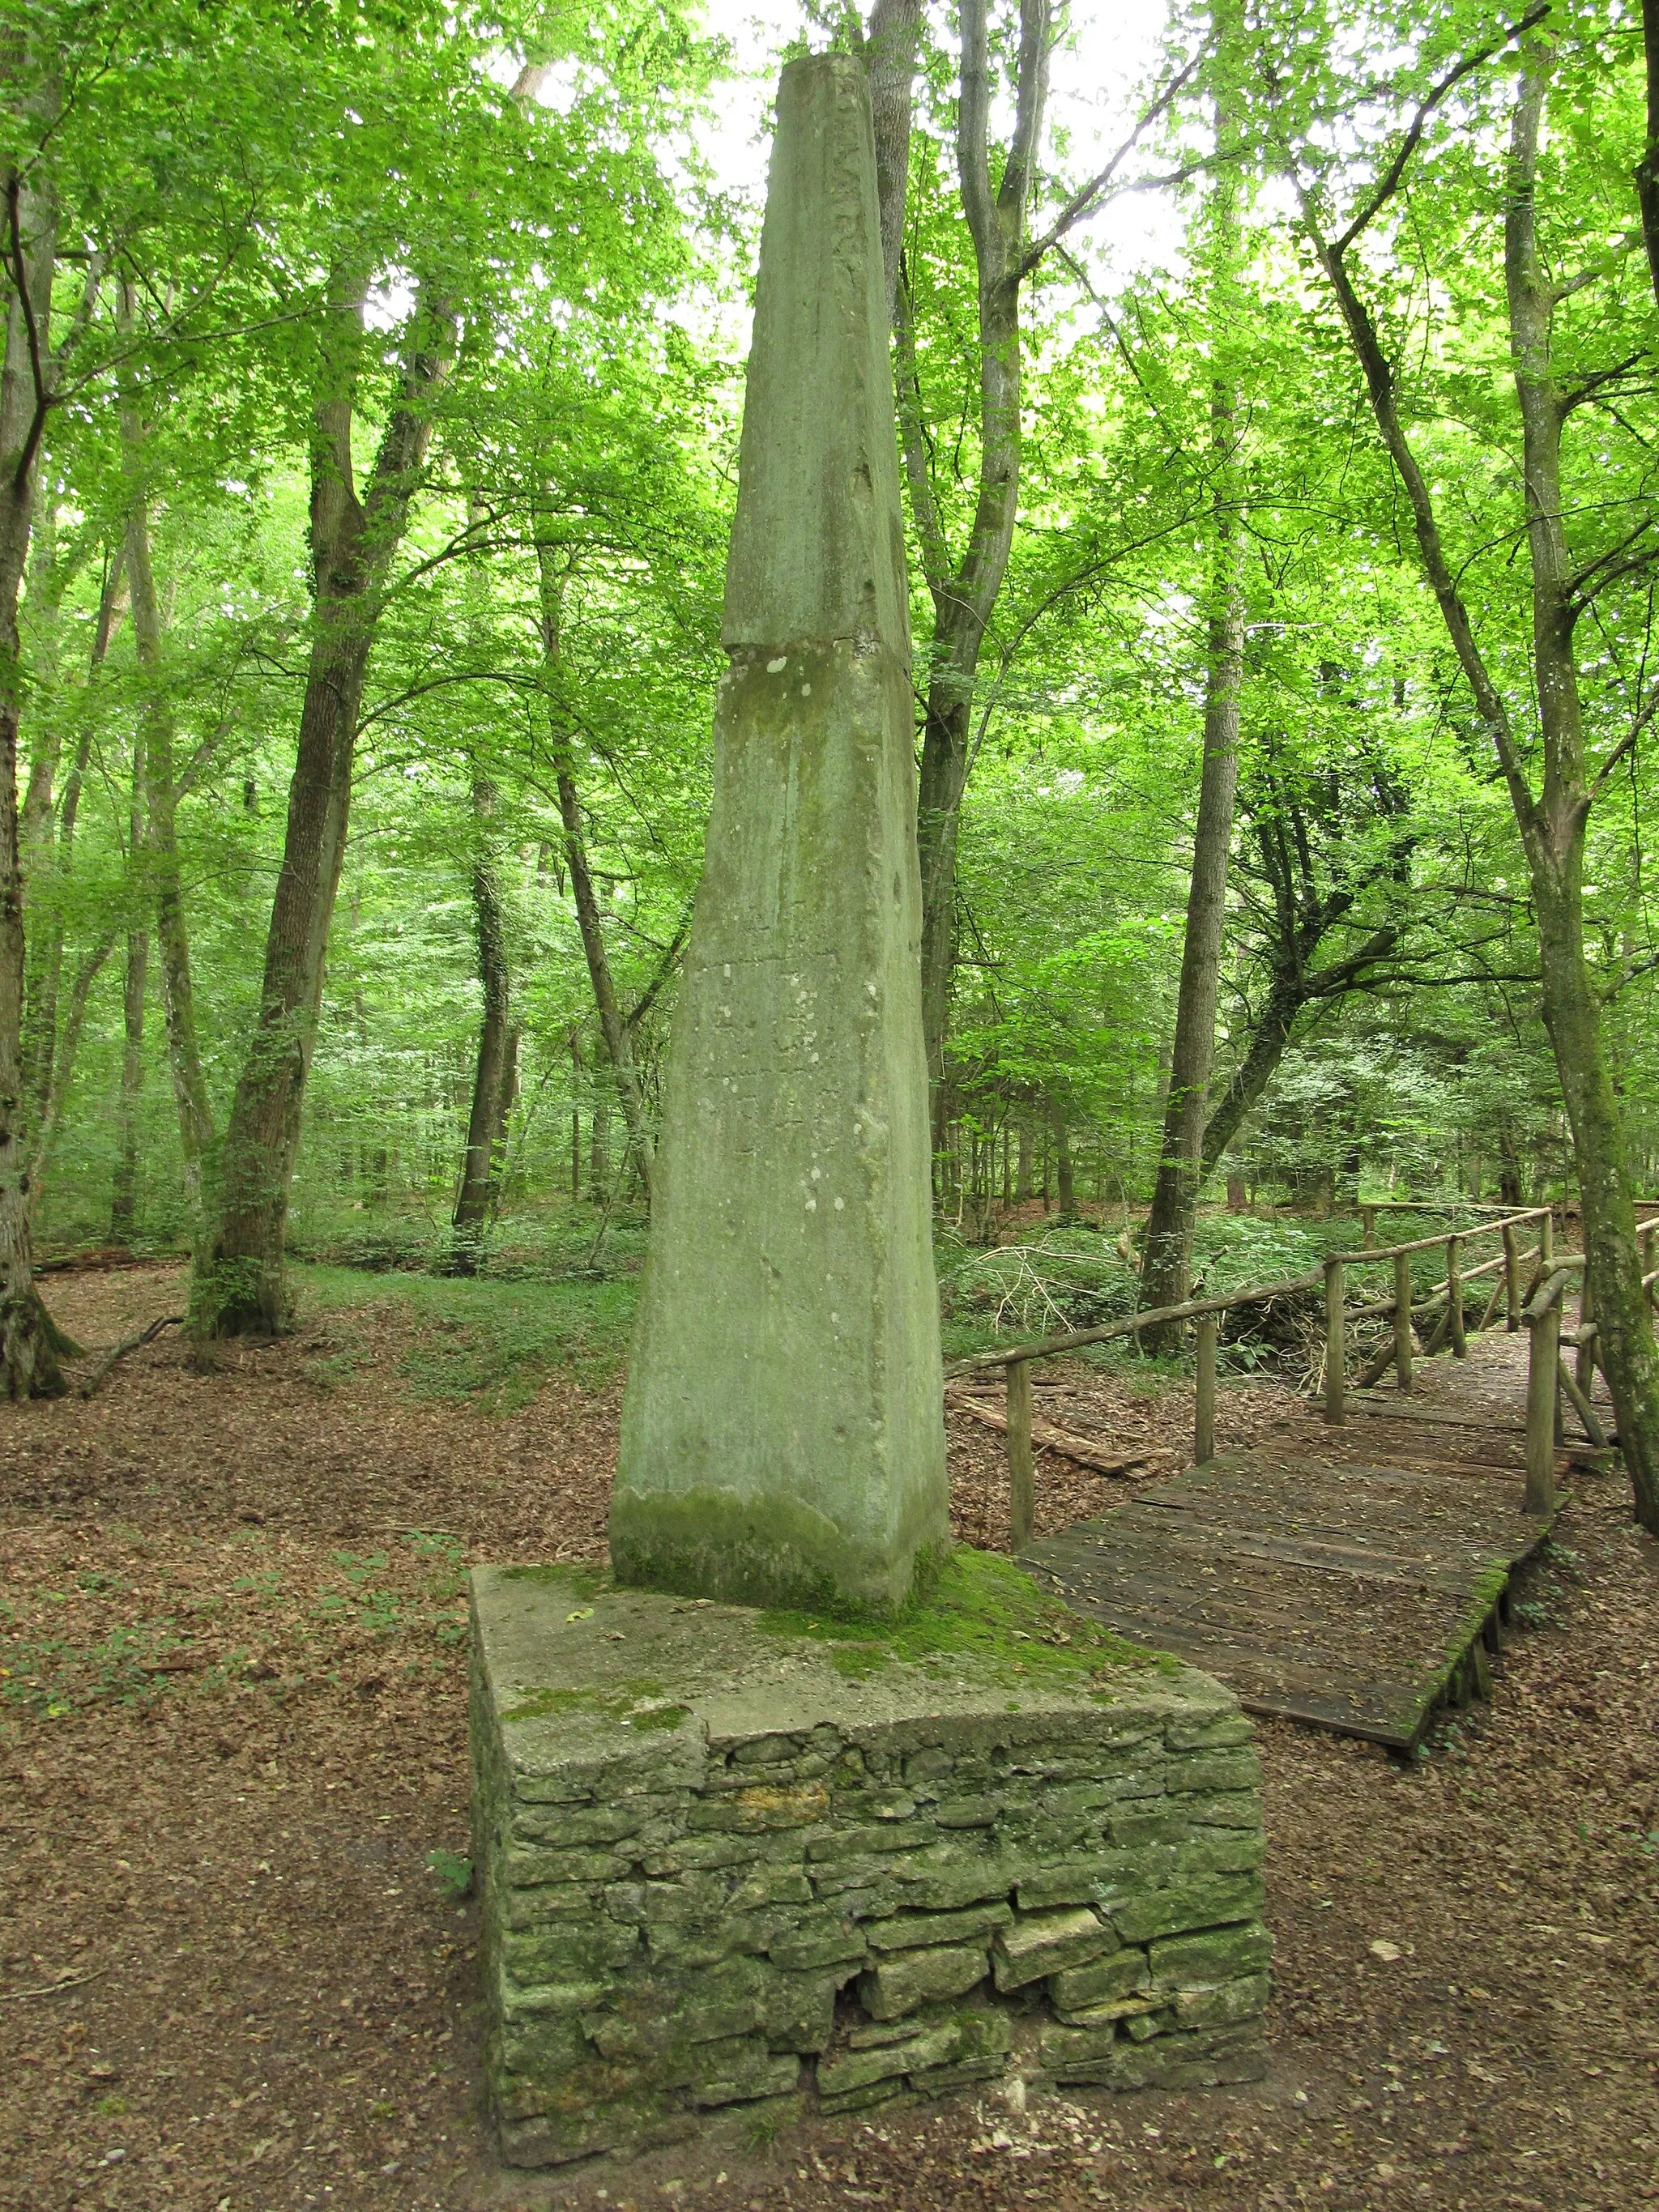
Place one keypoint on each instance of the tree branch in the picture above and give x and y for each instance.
(1090, 199)
(1389, 183)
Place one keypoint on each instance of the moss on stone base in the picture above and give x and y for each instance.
(979, 1606)
(771, 1551)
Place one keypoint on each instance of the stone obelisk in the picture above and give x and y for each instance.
(782, 1434)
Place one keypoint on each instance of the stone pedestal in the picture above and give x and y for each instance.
(730, 1859)
(782, 1435)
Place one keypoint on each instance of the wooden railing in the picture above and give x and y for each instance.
(1536, 1308)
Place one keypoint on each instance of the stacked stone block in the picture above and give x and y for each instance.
(768, 1891)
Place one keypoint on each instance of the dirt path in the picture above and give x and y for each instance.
(231, 1732)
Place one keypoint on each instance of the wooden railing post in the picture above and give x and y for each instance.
(1368, 1217)
(1459, 1343)
(1403, 1320)
(1547, 1238)
(1512, 1278)
(1543, 1389)
(1022, 1468)
(1336, 1339)
(1203, 1398)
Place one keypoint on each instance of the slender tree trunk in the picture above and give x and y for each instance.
(124, 1196)
(507, 1098)
(618, 1037)
(964, 592)
(484, 1124)
(1167, 1272)
(894, 30)
(29, 1364)
(47, 1129)
(40, 1047)
(1647, 169)
(241, 1287)
(1552, 824)
(1554, 831)
(44, 867)
(1065, 1182)
(1022, 1167)
(160, 862)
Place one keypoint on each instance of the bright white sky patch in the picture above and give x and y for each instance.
(1098, 81)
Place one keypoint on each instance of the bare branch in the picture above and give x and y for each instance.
(1625, 745)
(37, 367)
(1032, 98)
(1389, 183)
(1090, 199)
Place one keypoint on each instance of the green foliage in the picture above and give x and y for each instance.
(549, 631)
(452, 1872)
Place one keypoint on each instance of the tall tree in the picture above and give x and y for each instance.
(490, 1081)
(964, 588)
(28, 1364)
(1166, 1271)
(1553, 818)
(239, 1287)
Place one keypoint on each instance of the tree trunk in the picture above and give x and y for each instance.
(241, 1287)
(40, 1044)
(1065, 1183)
(895, 29)
(483, 1126)
(161, 862)
(1553, 825)
(1023, 1163)
(44, 868)
(1166, 1272)
(124, 1195)
(964, 592)
(1553, 834)
(507, 1099)
(1647, 169)
(29, 1364)
(618, 1038)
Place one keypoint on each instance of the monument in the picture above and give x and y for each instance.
(895, 1821)
(783, 1435)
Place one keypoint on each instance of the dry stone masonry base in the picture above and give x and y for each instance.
(718, 1872)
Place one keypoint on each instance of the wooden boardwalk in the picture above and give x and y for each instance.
(1355, 1577)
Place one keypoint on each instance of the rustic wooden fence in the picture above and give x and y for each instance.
(1530, 1280)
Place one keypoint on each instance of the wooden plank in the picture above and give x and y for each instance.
(1339, 1587)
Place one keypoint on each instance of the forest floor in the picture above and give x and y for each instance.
(233, 1750)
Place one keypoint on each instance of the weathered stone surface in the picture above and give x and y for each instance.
(1221, 2006)
(825, 1939)
(935, 2047)
(908, 1979)
(1216, 1955)
(1210, 1899)
(1199, 2058)
(782, 1433)
(718, 1957)
(1041, 1943)
(1222, 1809)
(907, 1931)
(1216, 1770)
(1123, 1974)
